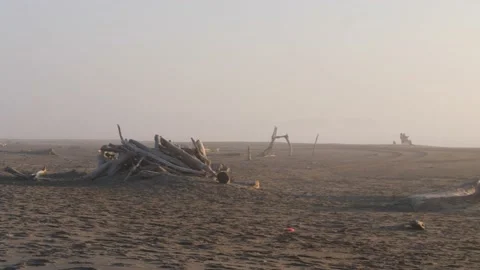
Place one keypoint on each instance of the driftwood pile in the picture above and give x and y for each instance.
(133, 157)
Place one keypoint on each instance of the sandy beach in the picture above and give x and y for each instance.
(347, 205)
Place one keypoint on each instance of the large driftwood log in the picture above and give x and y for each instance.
(101, 159)
(98, 172)
(190, 160)
(17, 173)
(34, 176)
(158, 153)
(201, 148)
(157, 141)
(315, 145)
(200, 152)
(154, 167)
(118, 164)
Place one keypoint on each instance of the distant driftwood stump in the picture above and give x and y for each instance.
(269, 150)
(404, 139)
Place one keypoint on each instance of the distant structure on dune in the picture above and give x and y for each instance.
(404, 139)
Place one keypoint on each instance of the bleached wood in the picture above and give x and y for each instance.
(188, 159)
(17, 173)
(164, 162)
(134, 168)
(314, 145)
(158, 153)
(269, 150)
(117, 164)
(157, 141)
(98, 172)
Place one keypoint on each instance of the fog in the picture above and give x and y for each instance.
(352, 71)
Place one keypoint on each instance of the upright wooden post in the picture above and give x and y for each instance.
(315, 145)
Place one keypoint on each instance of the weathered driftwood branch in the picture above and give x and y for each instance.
(201, 148)
(200, 152)
(269, 150)
(17, 173)
(157, 141)
(98, 172)
(134, 168)
(33, 176)
(315, 145)
(287, 138)
(156, 168)
(120, 134)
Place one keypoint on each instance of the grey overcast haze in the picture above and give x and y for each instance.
(353, 71)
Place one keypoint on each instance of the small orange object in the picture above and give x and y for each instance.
(289, 229)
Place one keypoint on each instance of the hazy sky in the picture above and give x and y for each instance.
(353, 71)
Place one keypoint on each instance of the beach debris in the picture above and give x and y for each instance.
(23, 176)
(315, 145)
(135, 158)
(256, 185)
(49, 151)
(132, 157)
(416, 225)
(17, 173)
(37, 175)
(404, 139)
(289, 230)
(269, 151)
(249, 153)
(223, 177)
